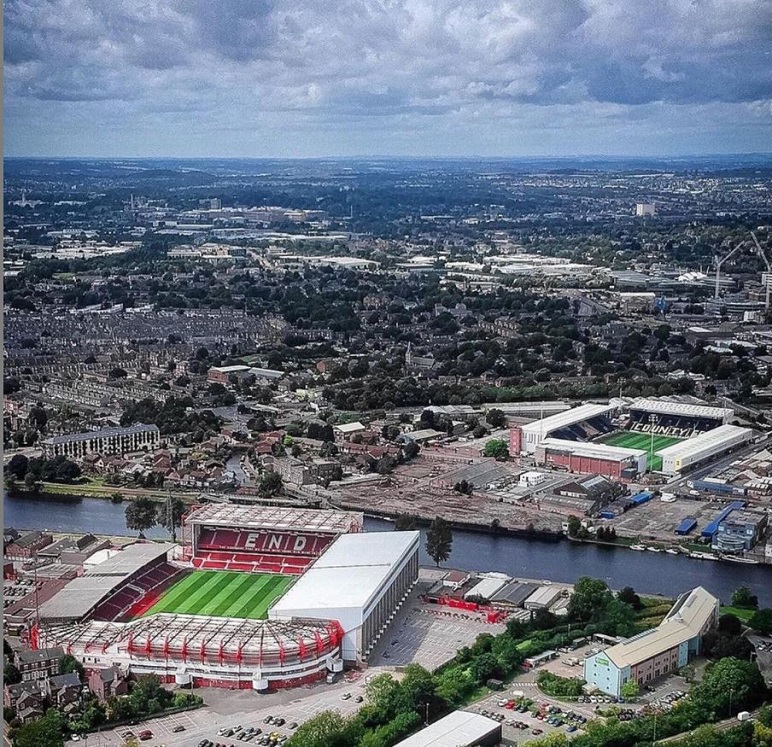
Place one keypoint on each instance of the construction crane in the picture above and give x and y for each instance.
(763, 256)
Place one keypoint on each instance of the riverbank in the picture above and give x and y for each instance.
(98, 491)
(658, 573)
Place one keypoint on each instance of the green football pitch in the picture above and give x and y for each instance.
(643, 441)
(223, 594)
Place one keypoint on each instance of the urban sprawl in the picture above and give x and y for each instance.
(252, 359)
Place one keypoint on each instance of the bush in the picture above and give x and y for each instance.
(557, 686)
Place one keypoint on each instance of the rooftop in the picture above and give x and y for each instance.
(349, 573)
(569, 417)
(685, 620)
(597, 450)
(101, 433)
(705, 441)
(272, 517)
(668, 407)
(455, 730)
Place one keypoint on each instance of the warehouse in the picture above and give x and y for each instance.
(457, 729)
(650, 655)
(487, 587)
(360, 581)
(592, 458)
(696, 452)
(543, 598)
(513, 595)
(571, 424)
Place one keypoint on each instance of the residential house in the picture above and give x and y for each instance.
(107, 683)
(38, 664)
(64, 691)
(26, 699)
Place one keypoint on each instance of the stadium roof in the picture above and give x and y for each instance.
(686, 619)
(82, 594)
(101, 433)
(174, 630)
(569, 417)
(593, 450)
(668, 407)
(349, 573)
(707, 441)
(272, 517)
(455, 730)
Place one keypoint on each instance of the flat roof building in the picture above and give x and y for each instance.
(457, 729)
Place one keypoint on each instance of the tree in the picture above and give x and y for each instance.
(589, 599)
(411, 450)
(761, 621)
(30, 482)
(68, 664)
(11, 675)
(464, 486)
(45, 732)
(497, 448)
(141, 514)
(117, 373)
(270, 484)
(730, 625)
(730, 684)
(742, 597)
(327, 729)
(405, 523)
(629, 690)
(169, 515)
(484, 667)
(439, 540)
(18, 466)
(574, 526)
(496, 418)
(628, 596)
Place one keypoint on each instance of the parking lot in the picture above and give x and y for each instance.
(230, 708)
(429, 635)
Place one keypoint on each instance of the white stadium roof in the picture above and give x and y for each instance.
(348, 574)
(707, 441)
(272, 517)
(668, 407)
(569, 417)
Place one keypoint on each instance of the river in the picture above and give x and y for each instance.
(657, 573)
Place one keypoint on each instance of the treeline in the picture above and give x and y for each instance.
(176, 415)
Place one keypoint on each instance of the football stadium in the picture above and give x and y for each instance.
(260, 598)
(627, 438)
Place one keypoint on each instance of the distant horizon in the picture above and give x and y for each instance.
(395, 156)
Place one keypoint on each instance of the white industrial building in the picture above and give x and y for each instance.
(534, 433)
(457, 729)
(695, 452)
(543, 598)
(361, 581)
(487, 587)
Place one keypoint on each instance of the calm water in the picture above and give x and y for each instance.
(564, 561)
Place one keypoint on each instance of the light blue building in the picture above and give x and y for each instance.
(657, 652)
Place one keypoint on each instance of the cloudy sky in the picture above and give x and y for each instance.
(401, 77)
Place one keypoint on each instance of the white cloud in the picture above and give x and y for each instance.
(380, 68)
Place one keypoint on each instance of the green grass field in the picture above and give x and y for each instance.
(223, 594)
(643, 441)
